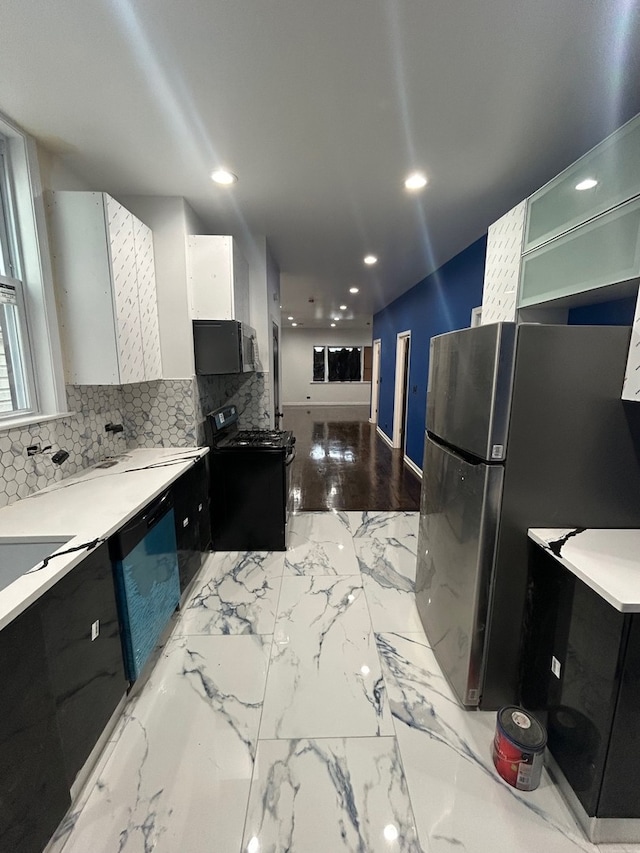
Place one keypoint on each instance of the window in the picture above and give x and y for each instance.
(338, 364)
(16, 377)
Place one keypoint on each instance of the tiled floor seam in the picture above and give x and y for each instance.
(423, 842)
(393, 720)
(264, 693)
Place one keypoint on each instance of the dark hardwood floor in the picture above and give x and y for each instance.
(341, 463)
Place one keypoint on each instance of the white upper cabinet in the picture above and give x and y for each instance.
(631, 387)
(105, 290)
(604, 251)
(605, 177)
(502, 267)
(218, 279)
(147, 299)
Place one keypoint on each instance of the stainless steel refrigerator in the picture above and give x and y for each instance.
(525, 428)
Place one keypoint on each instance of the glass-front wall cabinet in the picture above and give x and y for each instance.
(605, 177)
(582, 230)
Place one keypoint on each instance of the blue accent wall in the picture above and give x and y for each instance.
(618, 312)
(439, 303)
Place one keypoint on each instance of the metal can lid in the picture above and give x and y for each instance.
(522, 728)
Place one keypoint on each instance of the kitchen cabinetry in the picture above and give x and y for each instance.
(581, 676)
(82, 638)
(631, 387)
(602, 252)
(193, 526)
(217, 279)
(559, 206)
(502, 267)
(105, 290)
(34, 794)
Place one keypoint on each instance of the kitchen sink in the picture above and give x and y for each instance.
(20, 554)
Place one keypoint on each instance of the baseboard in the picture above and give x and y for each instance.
(310, 405)
(384, 437)
(412, 465)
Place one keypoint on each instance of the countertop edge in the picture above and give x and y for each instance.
(623, 606)
(23, 592)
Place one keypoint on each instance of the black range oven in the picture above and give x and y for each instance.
(249, 484)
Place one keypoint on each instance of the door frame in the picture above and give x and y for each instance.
(275, 368)
(403, 340)
(375, 381)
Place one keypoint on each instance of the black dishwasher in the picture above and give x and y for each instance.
(145, 565)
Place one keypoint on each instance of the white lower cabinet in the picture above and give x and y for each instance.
(105, 290)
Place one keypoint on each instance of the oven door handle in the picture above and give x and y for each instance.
(290, 457)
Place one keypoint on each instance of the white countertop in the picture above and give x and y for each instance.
(90, 505)
(607, 560)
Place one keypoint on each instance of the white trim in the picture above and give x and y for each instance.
(31, 420)
(37, 277)
(310, 404)
(376, 351)
(399, 385)
(412, 465)
(476, 317)
(384, 437)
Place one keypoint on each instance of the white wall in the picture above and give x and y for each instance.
(54, 173)
(296, 349)
(171, 219)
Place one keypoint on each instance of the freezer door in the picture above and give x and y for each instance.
(459, 512)
(469, 391)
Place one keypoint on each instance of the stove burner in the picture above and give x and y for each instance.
(257, 438)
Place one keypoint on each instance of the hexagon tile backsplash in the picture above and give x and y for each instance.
(163, 413)
(81, 433)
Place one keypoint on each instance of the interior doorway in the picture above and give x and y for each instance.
(375, 382)
(403, 350)
(275, 338)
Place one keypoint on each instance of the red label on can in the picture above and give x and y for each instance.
(520, 769)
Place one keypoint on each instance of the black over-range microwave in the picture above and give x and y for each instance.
(223, 346)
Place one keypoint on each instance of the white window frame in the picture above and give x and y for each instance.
(10, 247)
(28, 248)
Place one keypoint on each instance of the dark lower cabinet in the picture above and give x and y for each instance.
(34, 793)
(193, 528)
(581, 676)
(62, 677)
(84, 652)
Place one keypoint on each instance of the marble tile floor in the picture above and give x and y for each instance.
(297, 707)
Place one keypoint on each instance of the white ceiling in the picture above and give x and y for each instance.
(321, 107)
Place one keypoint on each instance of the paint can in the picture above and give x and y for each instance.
(518, 748)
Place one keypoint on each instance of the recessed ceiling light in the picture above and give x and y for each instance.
(416, 181)
(587, 184)
(370, 259)
(289, 318)
(343, 307)
(221, 176)
(294, 324)
(353, 290)
(336, 319)
(332, 325)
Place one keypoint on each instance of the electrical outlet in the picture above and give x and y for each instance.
(32, 449)
(555, 666)
(95, 630)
